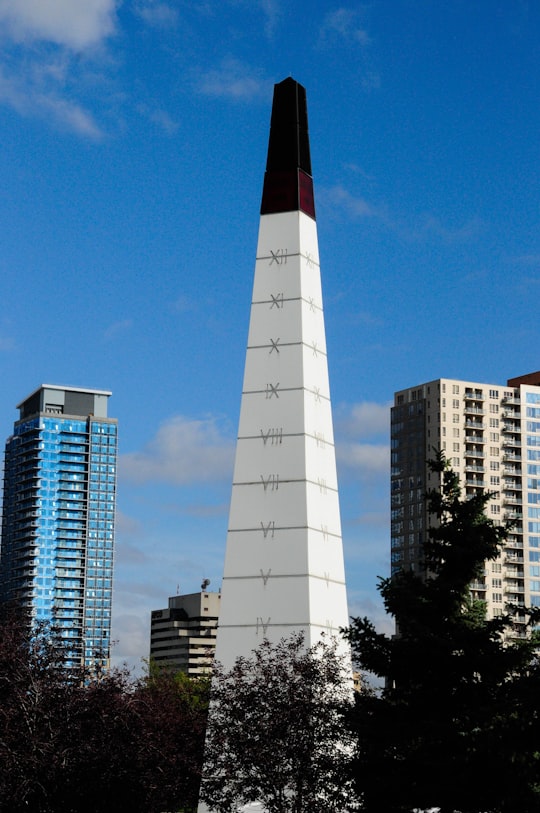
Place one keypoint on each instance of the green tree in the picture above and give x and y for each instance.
(276, 731)
(456, 726)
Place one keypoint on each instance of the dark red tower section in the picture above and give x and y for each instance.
(288, 185)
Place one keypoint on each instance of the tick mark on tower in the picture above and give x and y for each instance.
(274, 346)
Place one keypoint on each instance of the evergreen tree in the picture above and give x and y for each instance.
(456, 726)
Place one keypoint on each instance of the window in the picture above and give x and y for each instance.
(495, 509)
(455, 418)
(496, 583)
(494, 480)
(494, 408)
(494, 451)
(494, 465)
(497, 598)
(455, 403)
(455, 389)
(494, 436)
(494, 422)
(494, 393)
(496, 567)
(455, 432)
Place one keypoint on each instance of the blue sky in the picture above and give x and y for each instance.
(133, 145)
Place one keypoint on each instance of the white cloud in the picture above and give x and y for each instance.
(367, 459)
(364, 419)
(75, 24)
(182, 451)
(29, 99)
(367, 422)
(232, 79)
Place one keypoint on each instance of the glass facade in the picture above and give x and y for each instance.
(56, 557)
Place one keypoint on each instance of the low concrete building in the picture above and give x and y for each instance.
(183, 636)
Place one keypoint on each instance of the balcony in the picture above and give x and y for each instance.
(512, 483)
(509, 443)
(469, 438)
(470, 409)
(474, 395)
(513, 428)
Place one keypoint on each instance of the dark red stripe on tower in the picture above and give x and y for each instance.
(288, 185)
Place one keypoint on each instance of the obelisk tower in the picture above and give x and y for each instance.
(284, 560)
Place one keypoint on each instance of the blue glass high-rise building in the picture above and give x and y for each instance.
(56, 553)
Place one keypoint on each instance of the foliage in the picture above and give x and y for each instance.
(276, 731)
(455, 727)
(71, 742)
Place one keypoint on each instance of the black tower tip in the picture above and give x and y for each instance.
(288, 185)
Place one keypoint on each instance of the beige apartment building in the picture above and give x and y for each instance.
(490, 433)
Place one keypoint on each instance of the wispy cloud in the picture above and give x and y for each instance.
(529, 260)
(363, 420)
(183, 451)
(366, 459)
(157, 14)
(272, 12)
(353, 206)
(122, 326)
(30, 101)
(424, 227)
(47, 47)
(344, 24)
(361, 439)
(75, 25)
(233, 80)
(159, 117)
(7, 344)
